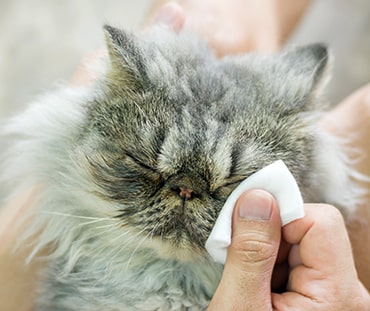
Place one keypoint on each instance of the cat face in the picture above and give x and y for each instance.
(177, 130)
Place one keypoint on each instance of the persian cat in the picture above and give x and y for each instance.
(133, 170)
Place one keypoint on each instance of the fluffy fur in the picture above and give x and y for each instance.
(112, 161)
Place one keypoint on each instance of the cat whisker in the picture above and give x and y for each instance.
(119, 248)
(152, 232)
(111, 227)
(124, 233)
(135, 250)
(77, 216)
(127, 241)
(92, 222)
(107, 226)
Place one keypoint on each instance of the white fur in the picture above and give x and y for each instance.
(71, 218)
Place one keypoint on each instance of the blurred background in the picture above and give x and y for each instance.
(42, 42)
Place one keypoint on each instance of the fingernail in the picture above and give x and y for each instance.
(255, 204)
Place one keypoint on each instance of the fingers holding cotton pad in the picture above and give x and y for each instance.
(274, 178)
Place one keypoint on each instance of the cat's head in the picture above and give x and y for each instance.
(176, 130)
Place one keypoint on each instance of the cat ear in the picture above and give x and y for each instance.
(306, 73)
(127, 59)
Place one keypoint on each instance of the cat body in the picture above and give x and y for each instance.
(133, 170)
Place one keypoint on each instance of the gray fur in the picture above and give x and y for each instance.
(112, 158)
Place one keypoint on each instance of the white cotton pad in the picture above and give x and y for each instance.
(275, 179)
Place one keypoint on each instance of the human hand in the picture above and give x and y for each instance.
(349, 121)
(234, 26)
(322, 273)
(322, 270)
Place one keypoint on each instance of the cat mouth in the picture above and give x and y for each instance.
(186, 231)
(179, 239)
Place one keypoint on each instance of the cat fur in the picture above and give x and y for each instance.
(109, 158)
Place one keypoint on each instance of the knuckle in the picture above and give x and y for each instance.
(328, 215)
(333, 215)
(253, 251)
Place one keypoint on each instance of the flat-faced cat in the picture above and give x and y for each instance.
(133, 170)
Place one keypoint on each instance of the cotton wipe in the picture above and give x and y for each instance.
(275, 179)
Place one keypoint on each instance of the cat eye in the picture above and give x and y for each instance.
(233, 181)
(223, 191)
(232, 184)
(133, 160)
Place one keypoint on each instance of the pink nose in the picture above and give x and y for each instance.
(185, 193)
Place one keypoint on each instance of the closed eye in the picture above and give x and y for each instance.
(233, 184)
(138, 162)
(233, 181)
(225, 189)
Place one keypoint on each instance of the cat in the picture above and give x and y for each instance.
(133, 169)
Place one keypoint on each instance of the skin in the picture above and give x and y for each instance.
(246, 268)
(17, 278)
(315, 241)
(350, 120)
(262, 25)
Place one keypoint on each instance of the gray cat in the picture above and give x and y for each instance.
(134, 169)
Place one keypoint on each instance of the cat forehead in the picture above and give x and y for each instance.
(185, 65)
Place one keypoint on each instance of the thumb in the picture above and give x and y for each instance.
(246, 280)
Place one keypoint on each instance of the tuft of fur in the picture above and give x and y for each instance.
(112, 159)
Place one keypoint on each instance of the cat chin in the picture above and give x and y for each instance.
(181, 251)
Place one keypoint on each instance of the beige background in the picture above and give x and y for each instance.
(42, 42)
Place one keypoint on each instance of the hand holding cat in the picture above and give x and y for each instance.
(309, 248)
(348, 121)
(233, 26)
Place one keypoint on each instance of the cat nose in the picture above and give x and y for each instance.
(185, 193)
(187, 188)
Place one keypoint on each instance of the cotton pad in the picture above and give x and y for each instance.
(275, 179)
